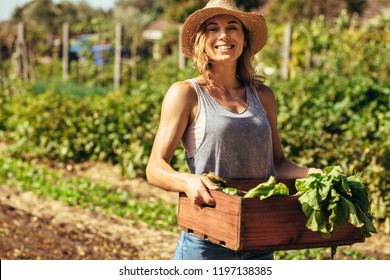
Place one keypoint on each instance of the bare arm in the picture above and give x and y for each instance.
(176, 114)
(284, 168)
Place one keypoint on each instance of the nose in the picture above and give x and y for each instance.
(224, 36)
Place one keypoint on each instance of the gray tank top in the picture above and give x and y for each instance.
(235, 146)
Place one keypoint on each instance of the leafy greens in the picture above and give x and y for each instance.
(332, 199)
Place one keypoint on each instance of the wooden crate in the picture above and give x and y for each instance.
(276, 223)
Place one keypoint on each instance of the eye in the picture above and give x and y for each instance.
(232, 27)
(212, 29)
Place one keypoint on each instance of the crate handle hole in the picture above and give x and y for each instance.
(190, 231)
(205, 237)
(223, 243)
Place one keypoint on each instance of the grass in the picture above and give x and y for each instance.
(69, 89)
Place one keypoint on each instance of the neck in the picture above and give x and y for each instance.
(225, 75)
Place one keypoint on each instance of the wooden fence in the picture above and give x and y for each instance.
(21, 62)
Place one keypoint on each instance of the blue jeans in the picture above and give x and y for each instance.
(190, 247)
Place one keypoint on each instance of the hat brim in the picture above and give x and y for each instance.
(253, 22)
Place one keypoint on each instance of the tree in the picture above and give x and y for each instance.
(82, 16)
(179, 10)
(135, 15)
(297, 10)
(248, 5)
(42, 16)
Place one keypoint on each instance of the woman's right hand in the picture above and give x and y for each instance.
(197, 189)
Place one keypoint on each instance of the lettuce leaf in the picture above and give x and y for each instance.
(331, 200)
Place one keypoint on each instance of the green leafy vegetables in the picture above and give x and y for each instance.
(262, 191)
(232, 191)
(268, 189)
(329, 200)
(332, 199)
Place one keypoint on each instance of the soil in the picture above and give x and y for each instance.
(33, 227)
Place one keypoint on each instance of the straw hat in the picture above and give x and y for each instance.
(253, 22)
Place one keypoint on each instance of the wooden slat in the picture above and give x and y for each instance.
(272, 221)
(279, 223)
(220, 224)
(347, 235)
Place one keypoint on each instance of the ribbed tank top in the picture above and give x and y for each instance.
(234, 145)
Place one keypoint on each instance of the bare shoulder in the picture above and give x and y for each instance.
(181, 89)
(265, 91)
(267, 96)
(181, 93)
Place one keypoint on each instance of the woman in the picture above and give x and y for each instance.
(225, 118)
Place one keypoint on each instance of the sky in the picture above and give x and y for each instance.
(7, 6)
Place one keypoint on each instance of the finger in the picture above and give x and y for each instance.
(207, 198)
(210, 201)
(209, 184)
(204, 201)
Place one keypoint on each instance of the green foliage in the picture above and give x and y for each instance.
(268, 189)
(115, 127)
(179, 10)
(135, 15)
(67, 128)
(68, 89)
(334, 109)
(248, 5)
(89, 195)
(44, 18)
(341, 47)
(296, 11)
(333, 199)
(334, 119)
(45, 15)
(342, 252)
(305, 254)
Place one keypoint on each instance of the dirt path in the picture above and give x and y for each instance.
(37, 228)
(105, 173)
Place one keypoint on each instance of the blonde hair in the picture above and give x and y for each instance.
(246, 73)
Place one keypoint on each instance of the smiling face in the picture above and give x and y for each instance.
(225, 38)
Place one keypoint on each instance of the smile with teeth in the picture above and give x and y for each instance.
(224, 47)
